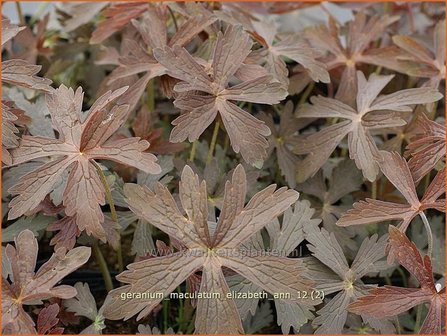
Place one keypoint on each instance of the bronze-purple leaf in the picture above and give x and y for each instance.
(371, 112)
(349, 286)
(247, 134)
(26, 286)
(282, 140)
(9, 130)
(419, 61)
(207, 250)
(427, 147)
(138, 59)
(47, 321)
(80, 142)
(396, 169)
(20, 72)
(360, 33)
(292, 47)
(390, 300)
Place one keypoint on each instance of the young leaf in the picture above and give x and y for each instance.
(345, 179)
(283, 138)
(361, 32)
(84, 304)
(292, 47)
(323, 245)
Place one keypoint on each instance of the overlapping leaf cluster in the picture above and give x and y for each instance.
(217, 149)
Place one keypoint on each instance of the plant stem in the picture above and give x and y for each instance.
(173, 18)
(306, 93)
(102, 266)
(378, 70)
(374, 190)
(388, 280)
(191, 325)
(112, 212)
(417, 323)
(387, 7)
(427, 181)
(429, 233)
(213, 142)
(150, 96)
(39, 13)
(226, 143)
(398, 326)
(192, 154)
(165, 315)
(20, 13)
(404, 278)
(180, 310)
(250, 107)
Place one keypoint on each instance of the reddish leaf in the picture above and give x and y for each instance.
(27, 286)
(291, 47)
(332, 317)
(47, 320)
(117, 16)
(417, 60)
(79, 144)
(246, 133)
(390, 301)
(240, 224)
(361, 32)
(426, 148)
(139, 59)
(372, 112)
(396, 169)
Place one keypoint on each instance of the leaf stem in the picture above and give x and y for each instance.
(226, 143)
(165, 315)
(398, 326)
(180, 310)
(306, 93)
(173, 18)
(402, 274)
(191, 324)
(374, 189)
(192, 154)
(388, 280)
(150, 96)
(429, 233)
(102, 266)
(417, 323)
(213, 142)
(39, 13)
(20, 13)
(112, 212)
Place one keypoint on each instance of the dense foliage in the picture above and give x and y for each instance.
(224, 168)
